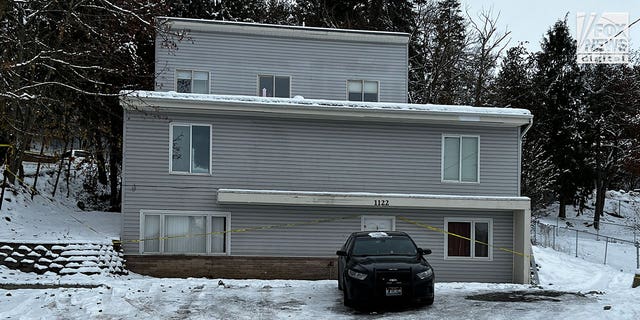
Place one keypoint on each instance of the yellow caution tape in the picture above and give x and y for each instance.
(440, 230)
(284, 225)
(33, 191)
(317, 221)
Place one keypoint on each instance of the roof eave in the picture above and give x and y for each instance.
(286, 30)
(165, 104)
(365, 199)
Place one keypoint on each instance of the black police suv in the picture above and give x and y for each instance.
(378, 266)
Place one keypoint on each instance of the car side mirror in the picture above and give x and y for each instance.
(341, 253)
(424, 251)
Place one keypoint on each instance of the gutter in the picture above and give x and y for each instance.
(307, 108)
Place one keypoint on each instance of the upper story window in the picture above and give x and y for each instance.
(188, 81)
(274, 86)
(469, 238)
(460, 158)
(362, 90)
(190, 150)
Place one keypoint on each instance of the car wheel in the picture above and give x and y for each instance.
(345, 299)
(429, 301)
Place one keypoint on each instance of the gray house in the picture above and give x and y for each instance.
(263, 147)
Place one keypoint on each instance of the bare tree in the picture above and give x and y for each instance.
(58, 55)
(487, 46)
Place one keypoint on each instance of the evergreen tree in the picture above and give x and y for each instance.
(612, 101)
(445, 64)
(557, 110)
(198, 9)
(420, 50)
(512, 88)
(356, 14)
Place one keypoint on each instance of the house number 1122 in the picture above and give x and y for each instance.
(380, 203)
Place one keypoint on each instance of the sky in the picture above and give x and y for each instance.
(530, 20)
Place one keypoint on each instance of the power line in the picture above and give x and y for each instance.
(620, 32)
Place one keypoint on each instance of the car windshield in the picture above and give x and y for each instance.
(383, 246)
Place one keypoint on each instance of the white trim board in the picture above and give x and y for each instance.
(154, 101)
(376, 200)
(273, 30)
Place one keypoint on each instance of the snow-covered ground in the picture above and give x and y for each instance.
(619, 230)
(622, 213)
(591, 288)
(54, 219)
(570, 288)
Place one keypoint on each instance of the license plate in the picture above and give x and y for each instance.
(393, 291)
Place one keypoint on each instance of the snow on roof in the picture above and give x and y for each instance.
(329, 104)
(238, 25)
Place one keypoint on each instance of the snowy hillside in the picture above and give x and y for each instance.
(54, 218)
(613, 243)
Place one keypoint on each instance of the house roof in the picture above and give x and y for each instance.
(310, 108)
(284, 30)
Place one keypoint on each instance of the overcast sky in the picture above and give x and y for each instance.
(530, 20)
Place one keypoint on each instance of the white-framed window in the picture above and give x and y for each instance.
(378, 223)
(274, 86)
(190, 81)
(180, 232)
(362, 90)
(460, 158)
(190, 148)
(459, 230)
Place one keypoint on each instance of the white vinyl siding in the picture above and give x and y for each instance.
(188, 81)
(318, 68)
(176, 232)
(460, 158)
(190, 148)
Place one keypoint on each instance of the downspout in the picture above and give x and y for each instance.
(522, 134)
(528, 262)
(529, 125)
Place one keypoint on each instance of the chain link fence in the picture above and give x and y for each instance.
(616, 248)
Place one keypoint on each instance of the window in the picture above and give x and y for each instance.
(274, 86)
(190, 150)
(480, 231)
(188, 81)
(361, 90)
(184, 232)
(460, 158)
